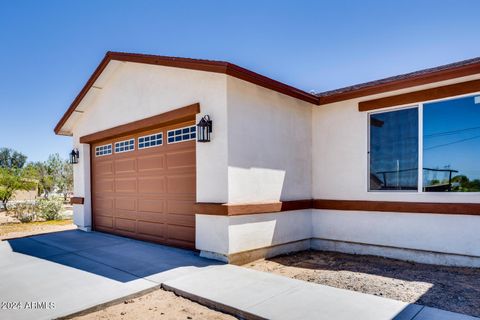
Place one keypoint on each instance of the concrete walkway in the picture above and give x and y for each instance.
(258, 295)
(61, 273)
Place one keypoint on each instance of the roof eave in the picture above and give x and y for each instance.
(186, 63)
(422, 77)
(377, 87)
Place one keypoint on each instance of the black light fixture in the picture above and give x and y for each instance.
(204, 128)
(74, 156)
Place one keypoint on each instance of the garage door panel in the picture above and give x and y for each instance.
(151, 205)
(151, 185)
(128, 185)
(125, 224)
(152, 229)
(124, 203)
(180, 220)
(103, 204)
(183, 184)
(158, 217)
(103, 168)
(185, 207)
(181, 159)
(105, 213)
(148, 193)
(182, 233)
(102, 221)
(125, 166)
(104, 185)
(151, 162)
(126, 214)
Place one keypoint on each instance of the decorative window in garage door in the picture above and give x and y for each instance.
(182, 134)
(125, 146)
(149, 141)
(103, 150)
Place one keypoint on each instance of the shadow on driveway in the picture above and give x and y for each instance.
(117, 258)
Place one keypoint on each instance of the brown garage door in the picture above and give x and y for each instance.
(143, 185)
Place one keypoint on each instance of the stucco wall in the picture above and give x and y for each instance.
(136, 91)
(426, 238)
(229, 235)
(454, 234)
(269, 145)
(340, 160)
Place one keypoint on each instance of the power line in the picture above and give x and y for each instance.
(450, 143)
(439, 134)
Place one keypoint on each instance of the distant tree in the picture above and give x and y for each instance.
(10, 158)
(12, 180)
(53, 175)
(474, 185)
(461, 179)
(65, 179)
(12, 175)
(40, 172)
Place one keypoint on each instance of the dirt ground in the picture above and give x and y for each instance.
(17, 230)
(5, 217)
(449, 288)
(159, 304)
(10, 227)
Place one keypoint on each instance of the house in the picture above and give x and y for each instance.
(284, 170)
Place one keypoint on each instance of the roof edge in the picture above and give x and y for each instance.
(417, 78)
(187, 63)
(403, 81)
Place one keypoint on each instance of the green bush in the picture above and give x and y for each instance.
(50, 209)
(23, 211)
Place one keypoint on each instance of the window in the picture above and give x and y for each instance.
(149, 141)
(451, 145)
(394, 150)
(182, 134)
(125, 146)
(103, 150)
(445, 144)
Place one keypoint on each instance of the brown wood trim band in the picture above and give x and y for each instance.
(391, 206)
(168, 118)
(360, 205)
(224, 209)
(422, 95)
(77, 200)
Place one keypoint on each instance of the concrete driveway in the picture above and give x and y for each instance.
(57, 274)
(54, 275)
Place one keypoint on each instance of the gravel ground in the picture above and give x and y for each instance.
(449, 288)
(159, 304)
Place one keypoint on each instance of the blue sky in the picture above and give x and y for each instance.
(48, 49)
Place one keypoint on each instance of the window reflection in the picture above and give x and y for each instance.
(451, 145)
(394, 150)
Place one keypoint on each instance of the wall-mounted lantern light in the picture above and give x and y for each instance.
(74, 156)
(204, 128)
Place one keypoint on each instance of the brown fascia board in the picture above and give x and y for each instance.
(417, 78)
(426, 76)
(186, 63)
